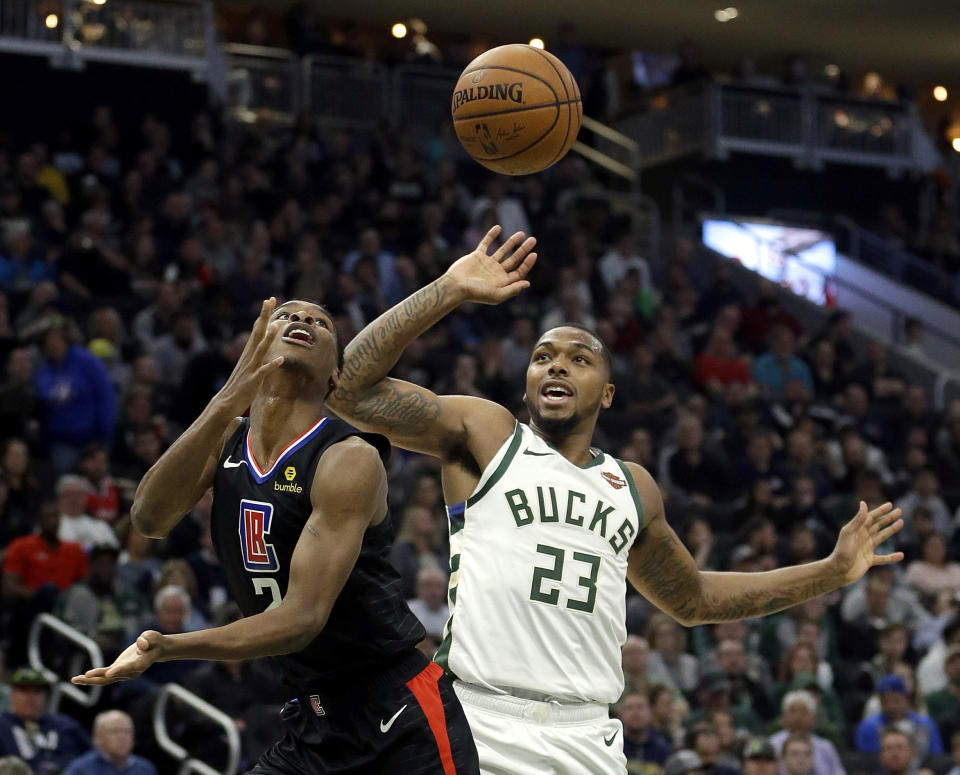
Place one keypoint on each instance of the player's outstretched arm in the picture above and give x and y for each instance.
(343, 508)
(181, 476)
(662, 569)
(411, 416)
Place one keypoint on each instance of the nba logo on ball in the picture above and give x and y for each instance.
(315, 704)
(516, 109)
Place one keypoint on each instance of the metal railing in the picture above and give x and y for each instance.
(808, 126)
(176, 34)
(177, 751)
(88, 698)
(420, 97)
(346, 92)
(263, 84)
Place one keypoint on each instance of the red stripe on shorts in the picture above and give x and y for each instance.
(425, 688)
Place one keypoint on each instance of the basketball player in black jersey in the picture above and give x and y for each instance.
(302, 529)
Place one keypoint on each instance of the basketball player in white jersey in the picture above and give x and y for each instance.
(545, 530)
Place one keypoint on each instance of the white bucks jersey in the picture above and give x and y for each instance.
(538, 560)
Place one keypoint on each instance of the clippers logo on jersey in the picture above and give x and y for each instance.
(613, 480)
(258, 552)
(315, 704)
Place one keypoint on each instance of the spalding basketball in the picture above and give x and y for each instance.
(516, 109)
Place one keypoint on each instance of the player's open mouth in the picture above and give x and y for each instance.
(556, 392)
(298, 333)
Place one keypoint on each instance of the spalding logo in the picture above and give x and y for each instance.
(493, 91)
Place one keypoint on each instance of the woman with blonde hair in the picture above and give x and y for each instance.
(178, 573)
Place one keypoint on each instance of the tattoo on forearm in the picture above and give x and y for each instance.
(394, 409)
(672, 583)
(364, 356)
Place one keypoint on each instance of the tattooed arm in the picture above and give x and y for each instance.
(661, 568)
(411, 416)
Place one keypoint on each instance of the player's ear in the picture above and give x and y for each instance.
(607, 398)
(334, 382)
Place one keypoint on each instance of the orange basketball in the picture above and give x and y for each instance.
(516, 109)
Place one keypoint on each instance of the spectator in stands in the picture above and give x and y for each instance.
(651, 400)
(669, 643)
(23, 491)
(621, 259)
(924, 494)
(178, 573)
(703, 740)
(883, 383)
(746, 690)
(430, 604)
(713, 694)
(171, 606)
(943, 705)
(799, 710)
(103, 499)
(778, 368)
(684, 762)
(796, 757)
(17, 394)
(759, 758)
(955, 753)
(898, 754)
(104, 607)
(641, 744)
(895, 710)
(931, 573)
(113, 739)
(417, 546)
(695, 472)
(75, 524)
(36, 569)
(76, 398)
(173, 350)
(719, 364)
(892, 641)
(48, 742)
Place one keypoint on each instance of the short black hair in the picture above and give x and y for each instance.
(333, 323)
(604, 350)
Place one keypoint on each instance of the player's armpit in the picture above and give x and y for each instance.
(416, 418)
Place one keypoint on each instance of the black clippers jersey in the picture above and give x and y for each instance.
(256, 522)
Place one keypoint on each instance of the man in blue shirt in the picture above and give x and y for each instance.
(779, 368)
(641, 744)
(45, 741)
(895, 712)
(113, 743)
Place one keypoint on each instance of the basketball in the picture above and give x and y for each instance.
(516, 109)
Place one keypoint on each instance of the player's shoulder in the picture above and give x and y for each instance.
(648, 491)
(352, 455)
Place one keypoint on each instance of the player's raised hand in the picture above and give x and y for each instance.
(855, 552)
(252, 367)
(133, 660)
(492, 278)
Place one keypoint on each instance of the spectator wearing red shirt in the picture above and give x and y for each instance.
(36, 569)
(103, 499)
(719, 364)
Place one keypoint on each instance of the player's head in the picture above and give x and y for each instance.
(568, 380)
(308, 340)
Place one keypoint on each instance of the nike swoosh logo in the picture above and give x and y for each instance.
(609, 742)
(537, 454)
(386, 727)
(228, 463)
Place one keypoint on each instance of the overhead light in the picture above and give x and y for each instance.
(399, 30)
(99, 2)
(732, 13)
(956, 144)
(51, 21)
(940, 93)
(721, 15)
(536, 42)
(831, 71)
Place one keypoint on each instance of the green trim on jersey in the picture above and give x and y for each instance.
(442, 657)
(633, 491)
(495, 477)
(597, 460)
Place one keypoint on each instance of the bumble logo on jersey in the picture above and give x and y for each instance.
(289, 473)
